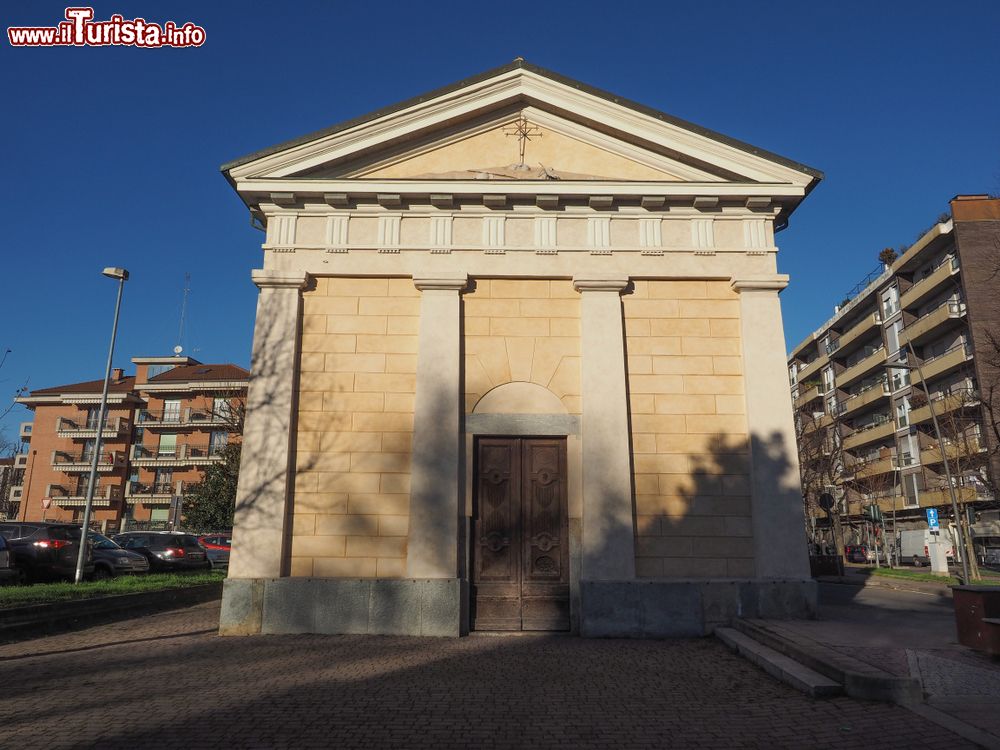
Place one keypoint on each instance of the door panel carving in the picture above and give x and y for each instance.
(521, 556)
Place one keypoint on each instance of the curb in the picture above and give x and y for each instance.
(779, 666)
(916, 587)
(44, 618)
(860, 680)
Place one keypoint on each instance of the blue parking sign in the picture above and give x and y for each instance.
(932, 518)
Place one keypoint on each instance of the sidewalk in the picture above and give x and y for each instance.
(908, 633)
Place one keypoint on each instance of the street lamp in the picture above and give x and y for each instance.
(944, 455)
(122, 275)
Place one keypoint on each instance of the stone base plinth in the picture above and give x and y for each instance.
(433, 607)
(683, 608)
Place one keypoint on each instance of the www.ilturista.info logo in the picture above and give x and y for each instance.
(81, 30)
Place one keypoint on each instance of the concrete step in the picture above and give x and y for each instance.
(779, 666)
(860, 679)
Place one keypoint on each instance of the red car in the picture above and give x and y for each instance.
(217, 546)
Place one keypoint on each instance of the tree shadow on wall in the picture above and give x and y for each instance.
(271, 412)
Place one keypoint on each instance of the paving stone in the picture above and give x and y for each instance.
(169, 681)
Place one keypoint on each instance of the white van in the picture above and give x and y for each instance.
(912, 546)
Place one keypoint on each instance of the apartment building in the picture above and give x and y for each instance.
(164, 425)
(860, 384)
(11, 479)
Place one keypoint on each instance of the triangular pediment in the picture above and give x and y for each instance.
(489, 149)
(465, 132)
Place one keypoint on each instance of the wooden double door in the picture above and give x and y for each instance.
(520, 545)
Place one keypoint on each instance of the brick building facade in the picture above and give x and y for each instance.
(163, 426)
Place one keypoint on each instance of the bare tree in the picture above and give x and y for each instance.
(964, 448)
(820, 466)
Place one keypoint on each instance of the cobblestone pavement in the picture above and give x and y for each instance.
(167, 680)
(965, 686)
(910, 634)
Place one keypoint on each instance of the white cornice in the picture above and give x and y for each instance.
(262, 188)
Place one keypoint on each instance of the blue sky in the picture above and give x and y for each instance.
(111, 155)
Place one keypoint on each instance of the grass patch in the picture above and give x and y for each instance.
(912, 575)
(46, 593)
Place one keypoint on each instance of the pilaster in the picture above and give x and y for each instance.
(608, 543)
(432, 549)
(265, 467)
(776, 502)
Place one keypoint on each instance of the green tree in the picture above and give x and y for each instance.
(209, 505)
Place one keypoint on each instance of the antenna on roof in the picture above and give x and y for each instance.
(180, 331)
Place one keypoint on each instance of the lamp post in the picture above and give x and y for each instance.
(122, 275)
(944, 455)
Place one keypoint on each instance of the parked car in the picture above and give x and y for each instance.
(859, 553)
(8, 573)
(111, 560)
(46, 551)
(166, 551)
(218, 547)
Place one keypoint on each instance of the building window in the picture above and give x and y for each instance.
(155, 370)
(163, 483)
(827, 380)
(222, 408)
(903, 413)
(93, 415)
(890, 302)
(168, 444)
(172, 410)
(900, 378)
(217, 441)
(911, 488)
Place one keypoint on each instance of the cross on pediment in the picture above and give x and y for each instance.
(524, 131)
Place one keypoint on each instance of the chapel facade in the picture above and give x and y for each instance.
(518, 364)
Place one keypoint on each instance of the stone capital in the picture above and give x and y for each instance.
(265, 277)
(442, 282)
(774, 282)
(608, 283)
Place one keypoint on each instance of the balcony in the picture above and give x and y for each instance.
(853, 334)
(928, 285)
(81, 428)
(893, 501)
(933, 323)
(945, 404)
(77, 495)
(810, 424)
(859, 369)
(868, 468)
(940, 496)
(870, 395)
(181, 418)
(812, 368)
(73, 462)
(25, 431)
(810, 394)
(157, 493)
(181, 455)
(944, 363)
(963, 449)
(870, 433)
